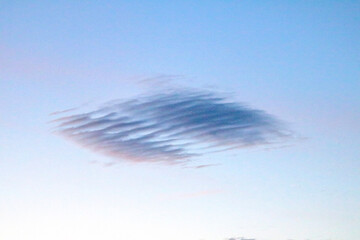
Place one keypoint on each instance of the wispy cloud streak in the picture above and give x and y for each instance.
(171, 127)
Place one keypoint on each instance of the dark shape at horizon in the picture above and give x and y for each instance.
(171, 128)
(241, 238)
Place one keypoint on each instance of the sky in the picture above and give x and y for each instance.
(252, 106)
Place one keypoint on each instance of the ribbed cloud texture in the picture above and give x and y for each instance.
(171, 128)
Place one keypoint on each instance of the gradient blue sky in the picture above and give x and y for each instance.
(298, 60)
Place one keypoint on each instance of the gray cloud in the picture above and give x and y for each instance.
(171, 128)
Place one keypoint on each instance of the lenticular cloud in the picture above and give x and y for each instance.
(170, 128)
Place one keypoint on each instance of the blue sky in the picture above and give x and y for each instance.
(296, 60)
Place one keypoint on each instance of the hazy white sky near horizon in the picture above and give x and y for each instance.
(298, 60)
